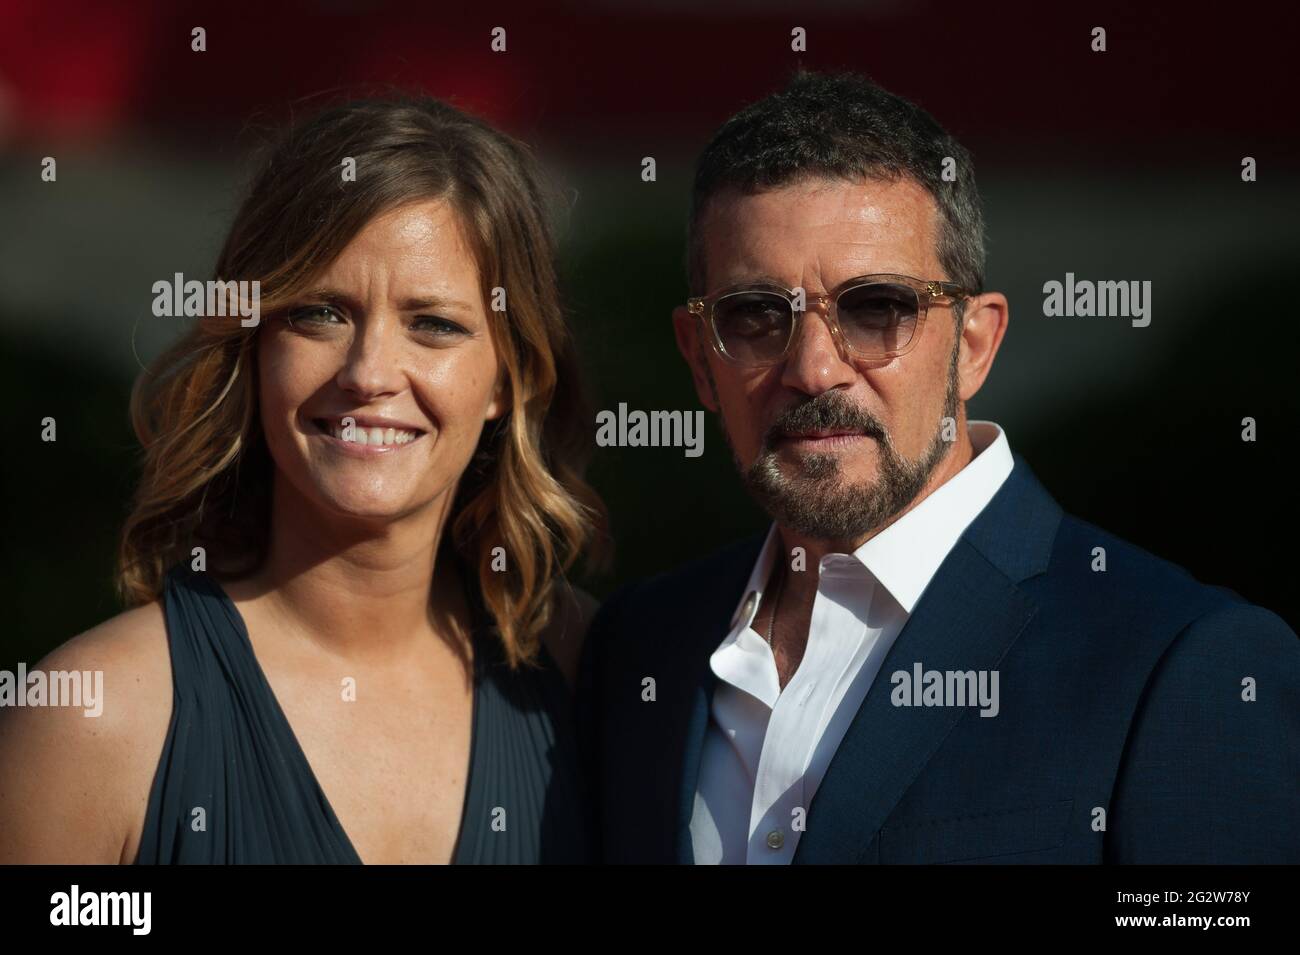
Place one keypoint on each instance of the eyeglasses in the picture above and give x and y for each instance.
(874, 317)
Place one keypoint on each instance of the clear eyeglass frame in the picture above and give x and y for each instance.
(928, 293)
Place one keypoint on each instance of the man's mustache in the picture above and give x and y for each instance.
(827, 411)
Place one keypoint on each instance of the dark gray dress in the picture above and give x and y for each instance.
(231, 752)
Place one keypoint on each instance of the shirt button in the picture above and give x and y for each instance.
(747, 611)
(775, 839)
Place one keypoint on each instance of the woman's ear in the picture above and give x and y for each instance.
(501, 395)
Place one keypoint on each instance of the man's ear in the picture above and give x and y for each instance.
(694, 349)
(984, 325)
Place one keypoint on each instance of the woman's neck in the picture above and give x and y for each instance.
(360, 589)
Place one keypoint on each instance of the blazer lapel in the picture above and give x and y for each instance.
(712, 613)
(696, 726)
(967, 619)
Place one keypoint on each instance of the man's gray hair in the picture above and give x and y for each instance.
(842, 126)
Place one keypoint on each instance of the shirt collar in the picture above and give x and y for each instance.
(905, 556)
(752, 595)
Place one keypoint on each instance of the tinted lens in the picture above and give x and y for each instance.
(753, 326)
(878, 318)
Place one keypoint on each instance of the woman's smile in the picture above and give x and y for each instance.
(365, 436)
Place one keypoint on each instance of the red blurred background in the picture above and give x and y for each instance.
(1121, 165)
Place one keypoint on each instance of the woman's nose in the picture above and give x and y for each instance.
(371, 365)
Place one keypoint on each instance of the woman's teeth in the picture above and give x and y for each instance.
(372, 436)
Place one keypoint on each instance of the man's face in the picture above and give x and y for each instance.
(830, 445)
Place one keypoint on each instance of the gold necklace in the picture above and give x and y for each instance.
(771, 623)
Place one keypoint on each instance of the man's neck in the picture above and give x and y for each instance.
(814, 548)
(797, 591)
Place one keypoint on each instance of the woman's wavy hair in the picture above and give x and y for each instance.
(206, 471)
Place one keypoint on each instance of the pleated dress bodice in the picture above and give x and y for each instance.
(234, 786)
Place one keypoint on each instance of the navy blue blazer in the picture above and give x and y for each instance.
(1125, 733)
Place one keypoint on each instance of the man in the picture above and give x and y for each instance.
(924, 659)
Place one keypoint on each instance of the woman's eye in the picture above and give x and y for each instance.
(314, 316)
(439, 327)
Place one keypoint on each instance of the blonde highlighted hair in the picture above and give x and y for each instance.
(206, 472)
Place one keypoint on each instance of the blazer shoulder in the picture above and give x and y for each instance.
(1239, 642)
(1126, 575)
(1132, 613)
(1209, 766)
(663, 600)
(1251, 631)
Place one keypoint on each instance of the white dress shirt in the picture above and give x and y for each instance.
(766, 749)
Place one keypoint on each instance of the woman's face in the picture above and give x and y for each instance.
(376, 383)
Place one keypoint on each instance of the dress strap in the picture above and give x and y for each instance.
(232, 785)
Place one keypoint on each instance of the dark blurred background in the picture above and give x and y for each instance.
(1118, 165)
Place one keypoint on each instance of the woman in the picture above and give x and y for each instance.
(352, 635)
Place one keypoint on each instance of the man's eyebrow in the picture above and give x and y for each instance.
(760, 279)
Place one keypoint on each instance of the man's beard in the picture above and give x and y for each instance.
(812, 497)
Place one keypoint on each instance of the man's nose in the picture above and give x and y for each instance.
(815, 362)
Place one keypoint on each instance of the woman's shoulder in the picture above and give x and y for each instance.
(564, 635)
(87, 741)
(132, 646)
(129, 654)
